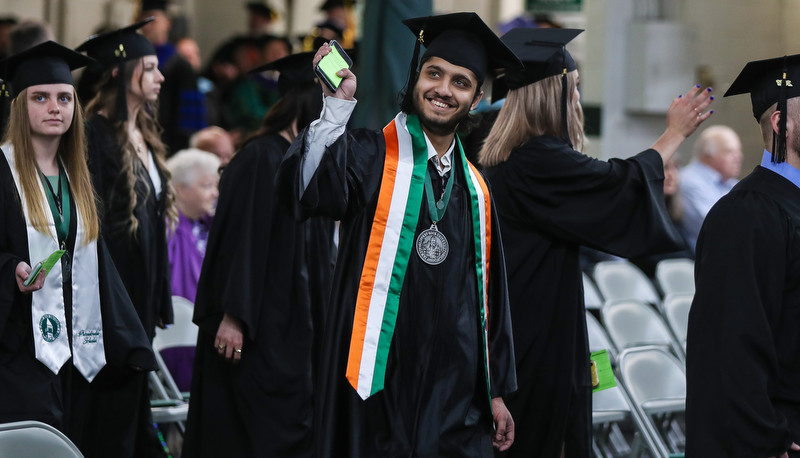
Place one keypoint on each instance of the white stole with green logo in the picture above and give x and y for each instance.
(47, 304)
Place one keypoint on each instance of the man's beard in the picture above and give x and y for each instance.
(438, 126)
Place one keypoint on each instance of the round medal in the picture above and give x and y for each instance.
(432, 246)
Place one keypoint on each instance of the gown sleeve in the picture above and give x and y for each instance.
(12, 237)
(347, 178)
(127, 345)
(733, 352)
(615, 206)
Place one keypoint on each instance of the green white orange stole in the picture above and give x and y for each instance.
(390, 245)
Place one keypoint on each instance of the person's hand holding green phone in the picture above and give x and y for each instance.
(45, 265)
(330, 60)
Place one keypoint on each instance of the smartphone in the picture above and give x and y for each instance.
(37, 269)
(334, 61)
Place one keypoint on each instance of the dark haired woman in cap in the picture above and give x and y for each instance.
(260, 296)
(71, 323)
(126, 158)
(551, 199)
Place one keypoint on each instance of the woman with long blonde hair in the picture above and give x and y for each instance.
(126, 158)
(63, 321)
(551, 199)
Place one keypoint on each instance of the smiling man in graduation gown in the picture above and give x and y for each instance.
(743, 344)
(418, 345)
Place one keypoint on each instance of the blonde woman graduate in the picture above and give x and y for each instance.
(70, 324)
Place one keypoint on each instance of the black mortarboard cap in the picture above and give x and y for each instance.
(332, 26)
(770, 81)
(115, 48)
(295, 69)
(46, 63)
(119, 45)
(150, 5)
(331, 4)
(462, 39)
(260, 8)
(543, 54)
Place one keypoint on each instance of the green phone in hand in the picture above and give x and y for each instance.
(46, 265)
(334, 61)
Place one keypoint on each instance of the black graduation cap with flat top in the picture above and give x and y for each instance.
(116, 47)
(120, 45)
(331, 4)
(154, 5)
(768, 82)
(46, 63)
(462, 39)
(261, 9)
(544, 54)
(294, 70)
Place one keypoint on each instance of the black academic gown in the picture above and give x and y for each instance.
(743, 346)
(258, 268)
(28, 389)
(143, 265)
(435, 401)
(551, 200)
(141, 259)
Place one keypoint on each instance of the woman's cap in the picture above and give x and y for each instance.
(543, 54)
(295, 69)
(121, 45)
(45, 63)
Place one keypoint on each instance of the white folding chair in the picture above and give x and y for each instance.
(676, 311)
(632, 323)
(611, 411)
(675, 276)
(591, 297)
(622, 280)
(181, 334)
(656, 382)
(34, 439)
(168, 404)
(598, 338)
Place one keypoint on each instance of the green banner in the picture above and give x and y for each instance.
(537, 6)
(602, 373)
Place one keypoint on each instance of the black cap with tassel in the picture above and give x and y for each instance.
(770, 82)
(114, 49)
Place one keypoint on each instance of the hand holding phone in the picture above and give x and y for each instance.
(331, 63)
(46, 265)
(37, 269)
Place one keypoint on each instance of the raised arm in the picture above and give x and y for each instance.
(685, 114)
(333, 119)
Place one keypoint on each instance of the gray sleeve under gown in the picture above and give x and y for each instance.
(743, 344)
(550, 200)
(435, 401)
(257, 269)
